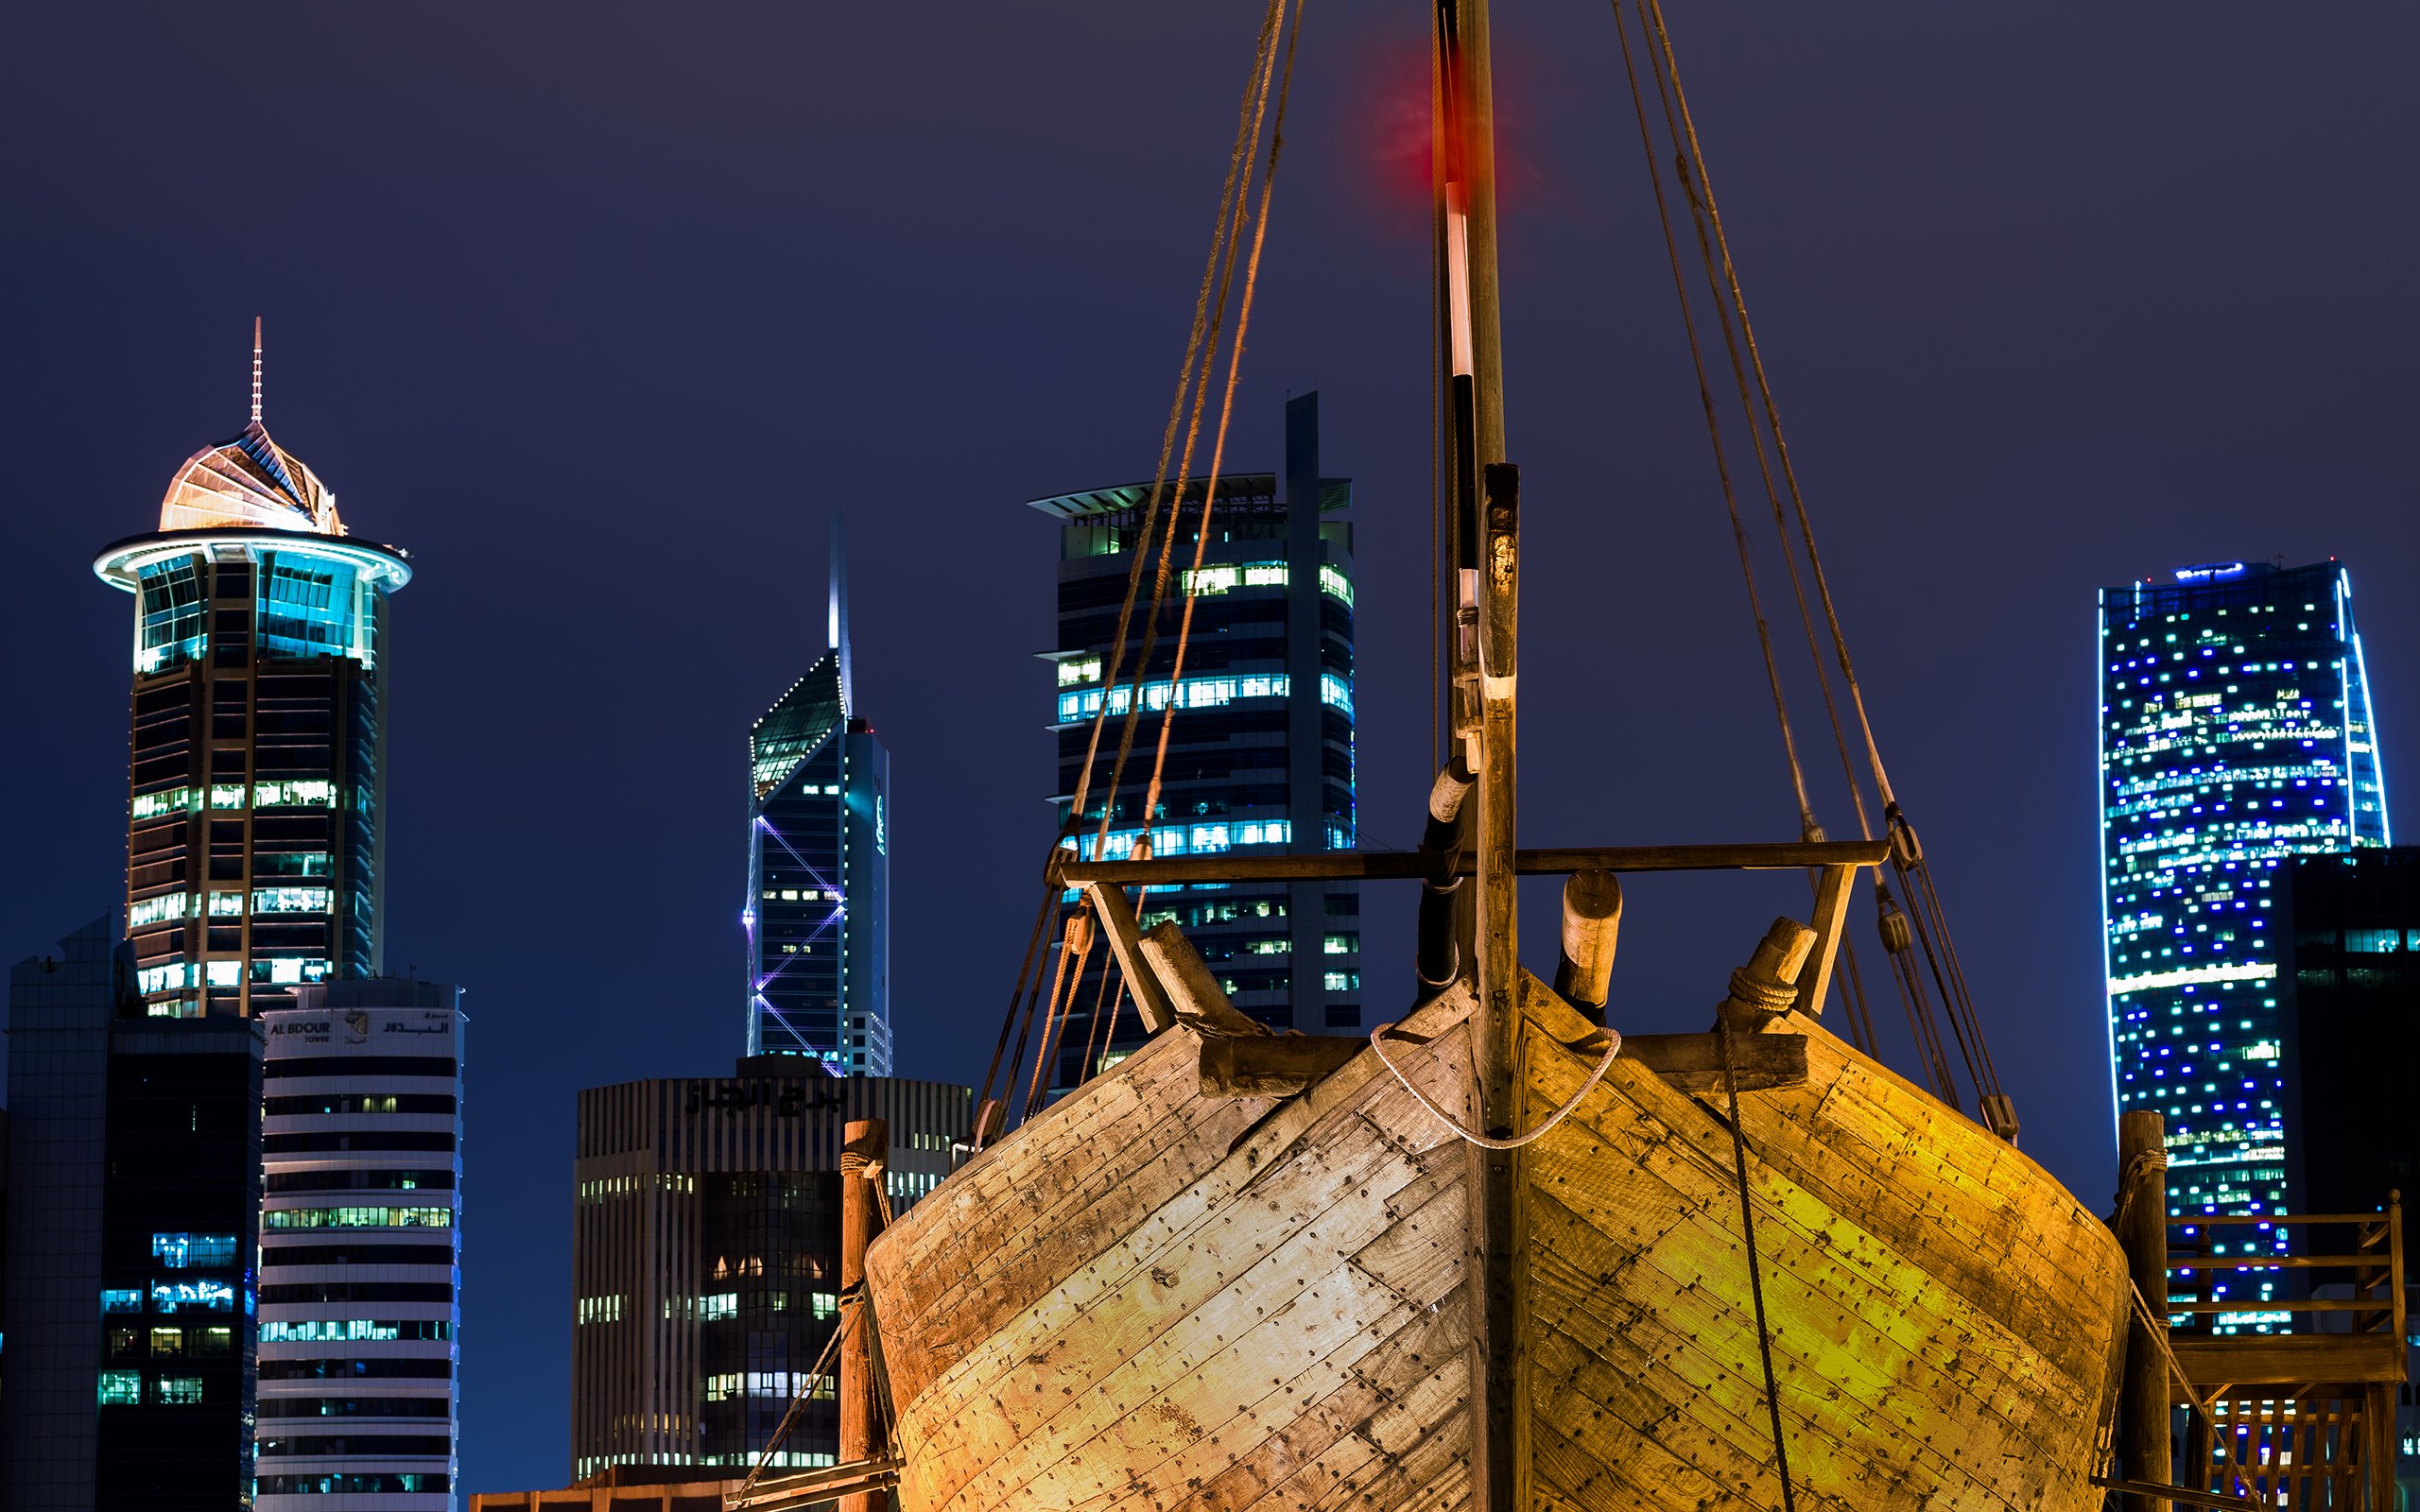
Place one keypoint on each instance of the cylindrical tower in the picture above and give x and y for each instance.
(256, 808)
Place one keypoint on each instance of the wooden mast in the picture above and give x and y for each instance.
(1486, 536)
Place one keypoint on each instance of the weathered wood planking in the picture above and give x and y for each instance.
(1153, 1298)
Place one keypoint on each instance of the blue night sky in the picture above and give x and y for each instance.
(602, 310)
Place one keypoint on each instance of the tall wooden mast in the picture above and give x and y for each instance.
(1485, 496)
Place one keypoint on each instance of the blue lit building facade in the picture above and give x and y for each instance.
(256, 811)
(818, 913)
(1261, 754)
(2236, 736)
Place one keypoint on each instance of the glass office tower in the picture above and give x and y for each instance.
(256, 800)
(817, 915)
(2236, 736)
(1261, 754)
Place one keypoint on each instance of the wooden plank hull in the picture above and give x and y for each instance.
(1150, 1298)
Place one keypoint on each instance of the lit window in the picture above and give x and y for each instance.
(302, 794)
(152, 805)
(122, 1300)
(1082, 669)
(225, 973)
(213, 1340)
(718, 1307)
(226, 905)
(1333, 583)
(825, 1304)
(155, 910)
(121, 1388)
(1344, 981)
(1341, 944)
(167, 1342)
(200, 1295)
(600, 1308)
(291, 899)
(226, 795)
(165, 978)
(180, 1251)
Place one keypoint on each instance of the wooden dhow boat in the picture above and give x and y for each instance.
(1494, 1256)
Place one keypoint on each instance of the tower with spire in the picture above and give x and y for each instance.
(816, 918)
(256, 813)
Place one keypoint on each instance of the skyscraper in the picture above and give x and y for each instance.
(817, 915)
(360, 1246)
(1260, 757)
(2235, 735)
(705, 1256)
(257, 780)
(135, 1186)
(255, 840)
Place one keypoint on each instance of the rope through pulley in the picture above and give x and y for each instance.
(1904, 935)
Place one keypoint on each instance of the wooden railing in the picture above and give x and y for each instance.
(2368, 1260)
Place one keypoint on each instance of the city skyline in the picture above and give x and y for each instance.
(604, 324)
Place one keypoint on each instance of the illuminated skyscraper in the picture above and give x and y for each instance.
(817, 915)
(256, 807)
(2236, 736)
(1260, 757)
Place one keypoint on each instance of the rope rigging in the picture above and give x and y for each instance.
(1903, 932)
(1155, 541)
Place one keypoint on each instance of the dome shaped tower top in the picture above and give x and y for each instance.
(250, 481)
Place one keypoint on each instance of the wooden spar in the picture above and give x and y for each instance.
(1592, 921)
(1404, 865)
(2142, 1228)
(865, 1151)
(1504, 1237)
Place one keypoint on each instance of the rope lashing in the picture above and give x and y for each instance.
(1487, 1141)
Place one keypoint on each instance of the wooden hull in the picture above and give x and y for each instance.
(1150, 1298)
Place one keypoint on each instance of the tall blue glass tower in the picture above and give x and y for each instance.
(817, 915)
(2235, 735)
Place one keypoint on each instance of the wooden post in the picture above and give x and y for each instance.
(2142, 1230)
(863, 1157)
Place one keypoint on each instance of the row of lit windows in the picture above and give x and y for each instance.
(1330, 945)
(1202, 693)
(180, 1251)
(623, 1186)
(358, 1218)
(285, 794)
(802, 895)
(357, 1330)
(1208, 581)
(176, 974)
(172, 1342)
(777, 1385)
(230, 904)
(200, 1295)
(124, 1388)
(599, 1309)
(1177, 839)
(715, 1307)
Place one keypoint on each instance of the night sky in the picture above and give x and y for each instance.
(601, 311)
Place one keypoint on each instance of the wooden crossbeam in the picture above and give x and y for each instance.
(1379, 866)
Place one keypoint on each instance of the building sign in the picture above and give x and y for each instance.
(786, 1099)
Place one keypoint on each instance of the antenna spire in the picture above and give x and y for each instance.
(256, 370)
(838, 637)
